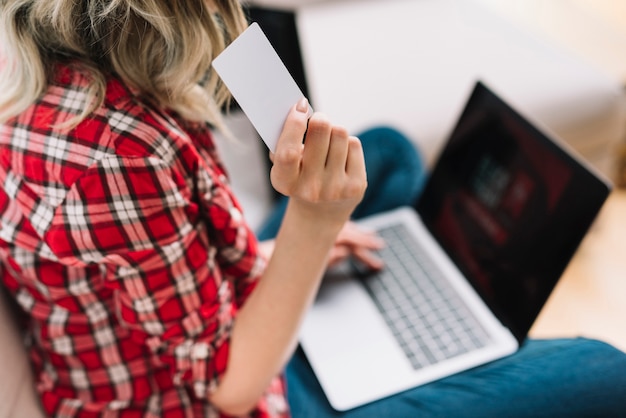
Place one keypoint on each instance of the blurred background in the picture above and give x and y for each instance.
(563, 62)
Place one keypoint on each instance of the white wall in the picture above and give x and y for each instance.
(593, 29)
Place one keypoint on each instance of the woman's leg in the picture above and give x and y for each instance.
(545, 378)
(395, 176)
(395, 172)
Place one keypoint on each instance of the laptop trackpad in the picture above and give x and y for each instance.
(359, 336)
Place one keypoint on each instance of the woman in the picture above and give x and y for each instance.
(121, 237)
(148, 295)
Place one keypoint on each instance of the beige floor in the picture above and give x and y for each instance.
(590, 299)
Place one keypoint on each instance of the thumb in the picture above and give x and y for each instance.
(288, 154)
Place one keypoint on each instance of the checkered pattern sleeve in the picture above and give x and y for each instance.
(138, 220)
(236, 245)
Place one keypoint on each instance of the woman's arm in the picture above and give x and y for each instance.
(353, 241)
(325, 180)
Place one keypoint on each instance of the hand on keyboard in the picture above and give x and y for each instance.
(359, 244)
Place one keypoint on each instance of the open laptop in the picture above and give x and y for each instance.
(501, 215)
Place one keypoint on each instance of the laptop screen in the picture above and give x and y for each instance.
(509, 206)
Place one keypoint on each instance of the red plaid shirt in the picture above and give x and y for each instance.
(122, 240)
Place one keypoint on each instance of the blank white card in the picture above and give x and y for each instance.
(259, 81)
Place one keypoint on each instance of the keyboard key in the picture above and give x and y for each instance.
(428, 319)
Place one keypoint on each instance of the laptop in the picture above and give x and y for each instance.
(468, 267)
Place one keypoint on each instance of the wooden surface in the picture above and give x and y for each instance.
(590, 299)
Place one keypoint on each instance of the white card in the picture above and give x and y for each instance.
(259, 81)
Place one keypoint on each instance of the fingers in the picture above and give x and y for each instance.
(323, 173)
(287, 158)
(325, 153)
(338, 254)
(327, 145)
(317, 142)
(368, 258)
(295, 126)
(355, 235)
(355, 164)
(361, 244)
(338, 151)
(365, 257)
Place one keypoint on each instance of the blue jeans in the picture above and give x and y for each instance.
(545, 378)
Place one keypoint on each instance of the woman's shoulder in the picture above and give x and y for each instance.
(124, 124)
(46, 154)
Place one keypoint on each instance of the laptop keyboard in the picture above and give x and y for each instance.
(427, 317)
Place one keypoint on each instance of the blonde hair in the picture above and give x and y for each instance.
(161, 48)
